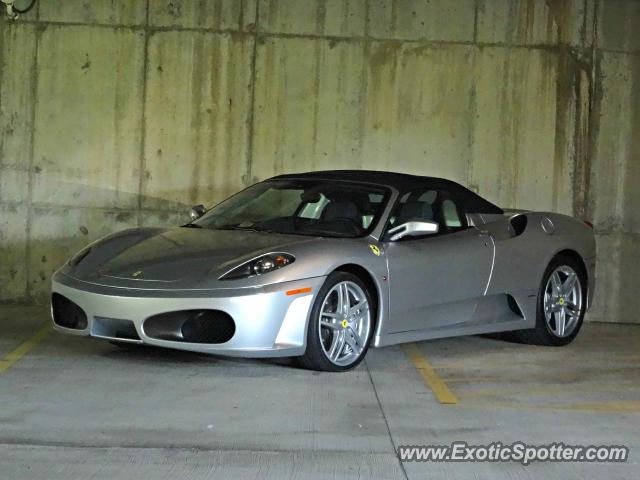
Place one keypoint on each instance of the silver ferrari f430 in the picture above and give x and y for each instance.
(323, 265)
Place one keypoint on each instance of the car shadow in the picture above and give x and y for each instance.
(153, 354)
(507, 337)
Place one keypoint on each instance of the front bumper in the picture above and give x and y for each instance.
(268, 322)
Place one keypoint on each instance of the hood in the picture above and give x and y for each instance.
(174, 255)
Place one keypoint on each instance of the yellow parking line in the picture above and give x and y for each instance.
(429, 375)
(507, 390)
(23, 349)
(505, 365)
(606, 406)
(564, 377)
(600, 407)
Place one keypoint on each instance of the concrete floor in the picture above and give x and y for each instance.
(79, 408)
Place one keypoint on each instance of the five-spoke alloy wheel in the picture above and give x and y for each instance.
(341, 324)
(345, 321)
(561, 303)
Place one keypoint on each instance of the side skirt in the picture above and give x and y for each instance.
(494, 313)
(428, 334)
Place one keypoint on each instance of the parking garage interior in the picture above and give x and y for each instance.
(117, 114)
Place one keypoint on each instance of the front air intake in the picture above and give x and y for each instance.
(191, 326)
(114, 328)
(67, 314)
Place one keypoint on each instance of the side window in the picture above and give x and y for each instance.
(429, 196)
(374, 204)
(412, 207)
(415, 205)
(395, 218)
(450, 214)
(430, 205)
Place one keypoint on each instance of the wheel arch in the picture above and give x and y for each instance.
(368, 279)
(568, 252)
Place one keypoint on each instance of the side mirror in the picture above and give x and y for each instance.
(197, 211)
(413, 229)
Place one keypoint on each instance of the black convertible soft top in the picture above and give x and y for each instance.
(403, 182)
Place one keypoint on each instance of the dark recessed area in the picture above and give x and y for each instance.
(114, 328)
(192, 326)
(519, 224)
(67, 314)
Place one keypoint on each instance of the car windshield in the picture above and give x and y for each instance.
(301, 207)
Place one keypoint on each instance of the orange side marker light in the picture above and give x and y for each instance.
(298, 291)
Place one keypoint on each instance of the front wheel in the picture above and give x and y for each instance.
(561, 304)
(340, 326)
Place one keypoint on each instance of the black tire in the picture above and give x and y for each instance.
(314, 357)
(542, 334)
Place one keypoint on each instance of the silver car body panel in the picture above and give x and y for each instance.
(444, 285)
(517, 263)
(269, 320)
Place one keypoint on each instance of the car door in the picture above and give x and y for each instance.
(436, 281)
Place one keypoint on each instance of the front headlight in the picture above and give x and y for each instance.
(258, 266)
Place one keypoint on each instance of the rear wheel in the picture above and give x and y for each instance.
(561, 304)
(340, 326)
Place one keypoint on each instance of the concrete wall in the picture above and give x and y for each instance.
(116, 113)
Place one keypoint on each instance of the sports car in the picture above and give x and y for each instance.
(323, 265)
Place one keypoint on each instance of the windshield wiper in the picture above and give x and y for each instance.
(233, 227)
(191, 225)
(324, 234)
(252, 228)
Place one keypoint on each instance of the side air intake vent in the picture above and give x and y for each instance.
(513, 306)
(519, 224)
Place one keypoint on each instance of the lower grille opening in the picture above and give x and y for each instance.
(67, 314)
(114, 328)
(193, 326)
